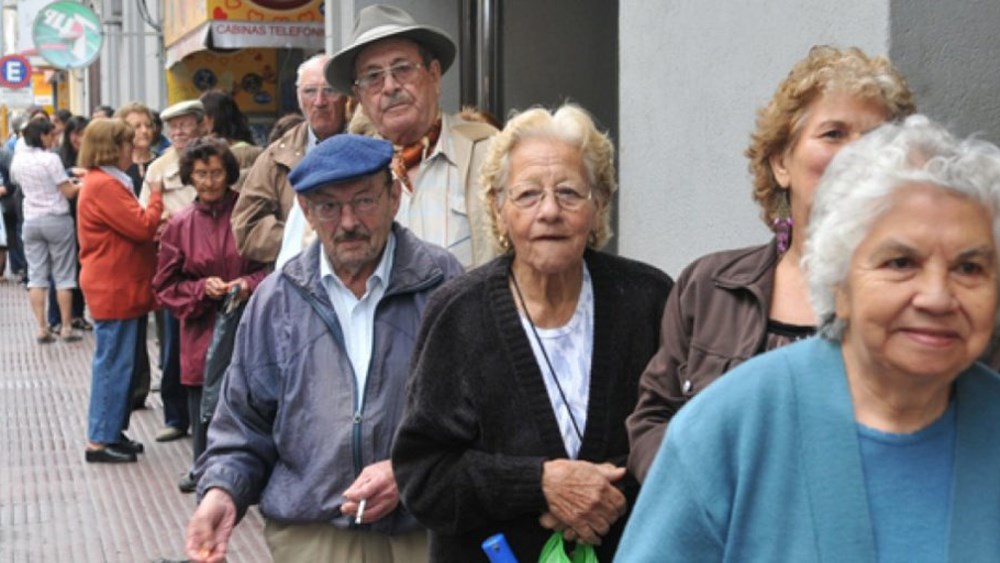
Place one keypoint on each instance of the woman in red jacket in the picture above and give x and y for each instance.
(117, 259)
(199, 264)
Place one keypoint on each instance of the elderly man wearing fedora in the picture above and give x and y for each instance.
(184, 122)
(393, 66)
(309, 407)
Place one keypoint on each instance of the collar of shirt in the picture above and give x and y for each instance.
(119, 175)
(443, 148)
(379, 278)
(310, 138)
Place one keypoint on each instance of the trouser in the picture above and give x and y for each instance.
(199, 427)
(53, 313)
(111, 379)
(140, 369)
(175, 414)
(15, 247)
(306, 543)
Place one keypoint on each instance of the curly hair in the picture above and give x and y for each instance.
(569, 124)
(203, 149)
(825, 69)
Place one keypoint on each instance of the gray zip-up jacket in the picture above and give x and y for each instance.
(291, 430)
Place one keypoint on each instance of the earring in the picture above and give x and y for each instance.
(504, 242)
(782, 223)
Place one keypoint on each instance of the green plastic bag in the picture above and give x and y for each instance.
(554, 552)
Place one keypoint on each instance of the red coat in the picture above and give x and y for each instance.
(117, 252)
(197, 244)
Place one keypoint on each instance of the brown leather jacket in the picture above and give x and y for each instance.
(715, 318)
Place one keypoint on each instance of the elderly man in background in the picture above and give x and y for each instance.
(310, 404)
(393, 66)
(184, 123)
(267, 197)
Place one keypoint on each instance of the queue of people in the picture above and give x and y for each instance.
(435, 350)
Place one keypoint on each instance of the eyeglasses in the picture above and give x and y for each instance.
(567, 198)
(178, 126)
(331, 210)
(202, 175)
(403, 72)
(311, 92)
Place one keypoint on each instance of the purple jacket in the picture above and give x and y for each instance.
(197, 244)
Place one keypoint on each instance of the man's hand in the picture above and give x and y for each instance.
(377, 487)
(210, 526)
(583, 502)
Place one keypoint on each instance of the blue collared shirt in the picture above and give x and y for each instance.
(357, 316)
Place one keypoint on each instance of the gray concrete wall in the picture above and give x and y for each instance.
(950, 54)
(693, 73)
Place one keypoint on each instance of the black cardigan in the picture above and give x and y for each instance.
(478, 423)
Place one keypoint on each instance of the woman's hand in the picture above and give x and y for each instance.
(215, 288)
(583, 502)
(244, 292)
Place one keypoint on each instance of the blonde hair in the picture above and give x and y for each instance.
(569, 124)
(135, 107)
(102, 142)
(825, 69)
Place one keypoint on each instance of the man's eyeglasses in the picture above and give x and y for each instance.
(179, 126)
(331, 210)
(567, 198)
(311, 92)
(202, 175)
(403, 72)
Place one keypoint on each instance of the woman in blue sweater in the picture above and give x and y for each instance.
(877, 440)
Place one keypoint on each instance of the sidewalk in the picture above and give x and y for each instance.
(53, 505)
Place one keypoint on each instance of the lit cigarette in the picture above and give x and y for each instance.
(361, 511)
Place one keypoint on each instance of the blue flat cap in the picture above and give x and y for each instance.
(340, 158)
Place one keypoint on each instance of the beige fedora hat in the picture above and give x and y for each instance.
(378, 22)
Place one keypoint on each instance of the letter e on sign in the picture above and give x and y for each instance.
(15, 72)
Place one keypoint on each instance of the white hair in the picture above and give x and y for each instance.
(858, 187)
(306, 63)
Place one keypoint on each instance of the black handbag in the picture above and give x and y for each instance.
(220, 352)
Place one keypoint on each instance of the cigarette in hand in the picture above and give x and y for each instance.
(361, 511)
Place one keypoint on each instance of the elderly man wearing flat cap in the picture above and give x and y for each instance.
(184, 122)
(315, 391)
(393, 66)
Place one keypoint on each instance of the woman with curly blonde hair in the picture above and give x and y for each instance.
(732, 305)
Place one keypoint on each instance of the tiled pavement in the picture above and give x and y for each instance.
(54, 507)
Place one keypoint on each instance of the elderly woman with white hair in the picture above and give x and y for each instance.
(526, 368)
(877, 440)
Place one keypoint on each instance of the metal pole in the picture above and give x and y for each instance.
(490, 57)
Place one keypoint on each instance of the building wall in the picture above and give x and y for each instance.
(693, 73)
(949, 52)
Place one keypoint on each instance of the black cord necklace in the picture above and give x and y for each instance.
(545, 354)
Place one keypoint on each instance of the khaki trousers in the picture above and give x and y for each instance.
(310, 543)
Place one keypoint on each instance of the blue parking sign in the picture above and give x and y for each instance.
(15, 72)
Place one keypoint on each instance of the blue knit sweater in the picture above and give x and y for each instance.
(765, 466)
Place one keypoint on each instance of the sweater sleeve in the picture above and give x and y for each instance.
(121, 213)
(447, 480)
